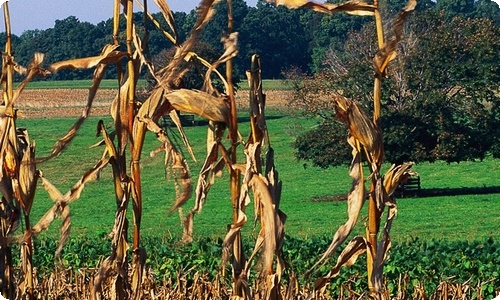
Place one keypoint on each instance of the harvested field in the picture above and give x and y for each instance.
(49, 103)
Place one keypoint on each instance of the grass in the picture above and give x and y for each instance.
(456, 217)
(268, 84)
(76, 84)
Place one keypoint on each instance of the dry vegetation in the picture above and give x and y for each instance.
(249, 162)
(48, 103)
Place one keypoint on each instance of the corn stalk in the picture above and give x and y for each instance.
(365, 136)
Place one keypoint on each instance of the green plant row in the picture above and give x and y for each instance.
(414, 262)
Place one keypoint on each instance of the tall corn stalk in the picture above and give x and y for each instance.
(365, 136)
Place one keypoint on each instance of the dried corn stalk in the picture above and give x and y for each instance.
(365, 136)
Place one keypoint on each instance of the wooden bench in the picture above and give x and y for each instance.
(186, 120)
(411, 186)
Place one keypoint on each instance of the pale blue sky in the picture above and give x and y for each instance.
(41, 14)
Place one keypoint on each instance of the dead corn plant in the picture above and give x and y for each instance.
(123, 147)
(365, 136)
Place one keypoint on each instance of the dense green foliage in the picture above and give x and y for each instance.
(425, 263)
(441, 99)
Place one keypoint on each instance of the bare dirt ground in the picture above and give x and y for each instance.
(52, 103)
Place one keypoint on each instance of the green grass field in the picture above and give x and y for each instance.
(456, 211)
(268, 84)
(76, 84)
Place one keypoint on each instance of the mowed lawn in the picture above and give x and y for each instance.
(462, 204)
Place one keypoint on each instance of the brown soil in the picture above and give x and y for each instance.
(51, 103)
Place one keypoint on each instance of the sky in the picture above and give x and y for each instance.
(42, 14)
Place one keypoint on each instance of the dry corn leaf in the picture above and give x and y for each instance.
(61, 201)
(199, 103)
(205, 181)
(26, 284)
(230, 51)
(64, 229)
(233, 232)
(108, 56)
(179, 167)
(61, 144)
(169, 18)
(388, 51)
(27, 176)
(191, 56)
(397, 174)
(383, 247)
(172, 72)
(358, 8)
(361, 127)
(355, 201)
(32, 71)
(348, 257)
(268, 217)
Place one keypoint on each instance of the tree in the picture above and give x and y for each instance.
(443, 88)
(262, 32)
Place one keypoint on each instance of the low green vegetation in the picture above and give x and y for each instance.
(461, 200)
(415, 263)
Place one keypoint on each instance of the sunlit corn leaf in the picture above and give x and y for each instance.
(169, 18)
(61, 144)
(260, 189)
(108, 142)
(358, 8)
(199, 103)
(348, 257)
(27, 174)
(172, 71)
(232, 234)
(361, 127)
(64, 200)
(90, 175)
(33, 70)
(388, 51)
(397, 174)
(64, 229)
(178, 166)
(109, 55)
(355, 201)
(230, 51)
(191, 56)
(154, 106)
(205, 181)
(9, 60)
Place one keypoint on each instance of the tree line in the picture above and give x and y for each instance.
(285, 39)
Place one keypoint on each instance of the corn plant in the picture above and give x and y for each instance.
(365, 136)
(123, 145)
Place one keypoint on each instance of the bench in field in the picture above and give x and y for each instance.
(186, 120)
(411, 186)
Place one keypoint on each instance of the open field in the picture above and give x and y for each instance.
(268, 84)
(461, 202)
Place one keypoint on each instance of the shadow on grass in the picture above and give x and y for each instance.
(423, 193)
(188, 120)
(453, 191)
(240, 120)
